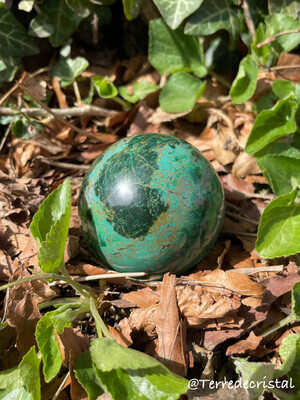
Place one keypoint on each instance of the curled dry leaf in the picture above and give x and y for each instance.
(245, 165)
(143, 298)
(225, 145)
(169, 328)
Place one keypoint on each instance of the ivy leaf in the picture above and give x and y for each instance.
(47, 341)
(27, 128)
(123, 370)
(68, 69)
(131, 8)
(26, 5)
(64, 20)
(244, 85)
(180, 93)
(139, 91)
(50, 227)
(104, 87)
(271, 125)
(40, 26)
(173, 51)
(279, 23)
(254, 372)
(213, 16)
(80, 7)
(86, 375)
(283, 89)
(279, 228)
(175, 11)
(280, 171)
(288, 7)
(14, 40)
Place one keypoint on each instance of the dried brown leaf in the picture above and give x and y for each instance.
(142, 298)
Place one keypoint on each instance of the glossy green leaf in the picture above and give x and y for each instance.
(68, 69)
(180, 93)
(283, 89)
(254, 372)
(260, 53)
(280, 23)
(16, 394)
(287, 7)
(40, 26)
(173, 51)
(123, 370)
(64, 20)
(131, 8)
(14, 40)
(27, 128)
(279, 228)
(271, 125)
(105, 87)
(213, 16)
(80, 7)
(50, 227)
(46, 339)
(244, 85)
(139, 91)
(86, 375)
(26, 5)
(296, 300)
(290, 352)
(11, 379)
(8, 68)
(175, 11)
(30, 373)
(282, 172)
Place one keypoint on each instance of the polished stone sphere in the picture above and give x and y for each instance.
(151, 203)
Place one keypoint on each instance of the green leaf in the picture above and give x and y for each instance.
(213, 16)
(290, 352)
(27, 128)
(11, 379)
(279, 228)
(16, 394)
(64, 20)
(175, 11)
(280, 23)
(30, 373)
(244, 85)
(86, 375)
(26, 5)
(288, 7)
(283, 89)
(180, 93)
(131, 8)
(40, 26)
(173, 51)
(271, 125)
(296, 300)
(281, 172)
(122, 370)
(14, 40)
(254, 372)
(47, 341)
(139, 91)
(68, 69)
(260, 53)
(104, 87)
(50, 227)
(8, 68)
(80, 7)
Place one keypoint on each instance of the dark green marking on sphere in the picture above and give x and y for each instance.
(151, 203)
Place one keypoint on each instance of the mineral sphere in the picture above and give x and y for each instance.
(151, 203)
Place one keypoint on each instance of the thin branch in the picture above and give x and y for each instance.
(248, 18)
(251, 221)
(103, 276)
(62, 164)
(254, 270)
(84, 110)
(273, 38)
(280, 67)
(241, 233)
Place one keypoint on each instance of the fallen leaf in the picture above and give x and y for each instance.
(142, 298)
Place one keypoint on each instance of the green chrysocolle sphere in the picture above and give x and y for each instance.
(151, 203)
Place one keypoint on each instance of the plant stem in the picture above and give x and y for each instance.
(280, 394)
(3, 325)
(66, 300)
(290, 318)
(220, 79)
(77, 286)
(30, 278)
(100, 325)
